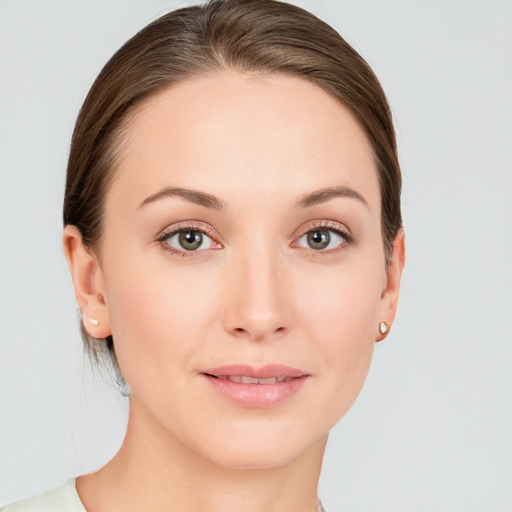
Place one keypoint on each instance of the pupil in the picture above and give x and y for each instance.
(190, 240)
(319, 239)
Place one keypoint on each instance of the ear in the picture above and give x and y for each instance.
(389, 299)
(89, 284)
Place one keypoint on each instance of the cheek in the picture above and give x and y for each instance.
(159, 318)
(341, 317)
(341, 304)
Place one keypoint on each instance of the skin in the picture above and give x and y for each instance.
(256, 294)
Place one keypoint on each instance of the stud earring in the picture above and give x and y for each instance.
(383, 328)
(94, 322)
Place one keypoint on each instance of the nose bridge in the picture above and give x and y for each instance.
(258, 307)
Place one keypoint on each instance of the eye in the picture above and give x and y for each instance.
(324, 238)
(320, 239)
(186, 240)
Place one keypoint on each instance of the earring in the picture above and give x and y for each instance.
(383, 328)
(94, 322)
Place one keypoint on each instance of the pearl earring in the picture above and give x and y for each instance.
(94, 322)
(383, 328)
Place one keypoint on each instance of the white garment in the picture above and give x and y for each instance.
(63, 499)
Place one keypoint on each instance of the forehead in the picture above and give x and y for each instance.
(244, 134)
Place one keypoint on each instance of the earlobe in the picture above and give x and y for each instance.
(88, 282)
(390, 294)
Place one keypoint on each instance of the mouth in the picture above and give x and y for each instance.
(246, 379)
(253, 387)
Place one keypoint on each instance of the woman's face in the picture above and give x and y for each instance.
(242, 245)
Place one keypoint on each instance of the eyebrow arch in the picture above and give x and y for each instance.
(325, 194)
(193, 196)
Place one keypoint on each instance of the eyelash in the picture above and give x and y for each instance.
(333, 227)
(174, 230)
(347, 238)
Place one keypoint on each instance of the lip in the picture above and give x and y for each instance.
(254, 395)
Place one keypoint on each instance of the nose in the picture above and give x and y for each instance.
(258, 305)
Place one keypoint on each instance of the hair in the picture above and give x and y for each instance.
(257, 36)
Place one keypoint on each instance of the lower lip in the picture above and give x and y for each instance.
(257, 396)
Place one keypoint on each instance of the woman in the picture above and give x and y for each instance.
(233, 231)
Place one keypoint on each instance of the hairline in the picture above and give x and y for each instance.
(121, 135)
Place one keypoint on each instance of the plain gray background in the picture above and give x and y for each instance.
(432, 429)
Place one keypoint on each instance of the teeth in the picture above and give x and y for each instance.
(243, 379)
(271, 380)
(249, 380)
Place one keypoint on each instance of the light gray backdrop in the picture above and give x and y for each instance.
(431, 431)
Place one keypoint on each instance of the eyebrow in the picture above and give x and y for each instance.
(325, 194)
(193, 196)
(209, 201)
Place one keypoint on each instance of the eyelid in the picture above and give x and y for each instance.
(329, 225)
(183, 226)
(324, 224)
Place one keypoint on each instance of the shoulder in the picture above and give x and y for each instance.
(62, 499)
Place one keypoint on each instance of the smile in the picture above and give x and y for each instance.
(256, 387)
(243, 379)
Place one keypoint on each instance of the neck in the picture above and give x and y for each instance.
(155, 471)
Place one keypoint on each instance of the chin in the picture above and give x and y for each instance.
(261, 448)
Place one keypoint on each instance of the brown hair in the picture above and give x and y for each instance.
(262, 36)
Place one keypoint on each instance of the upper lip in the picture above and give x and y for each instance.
(260, 372)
